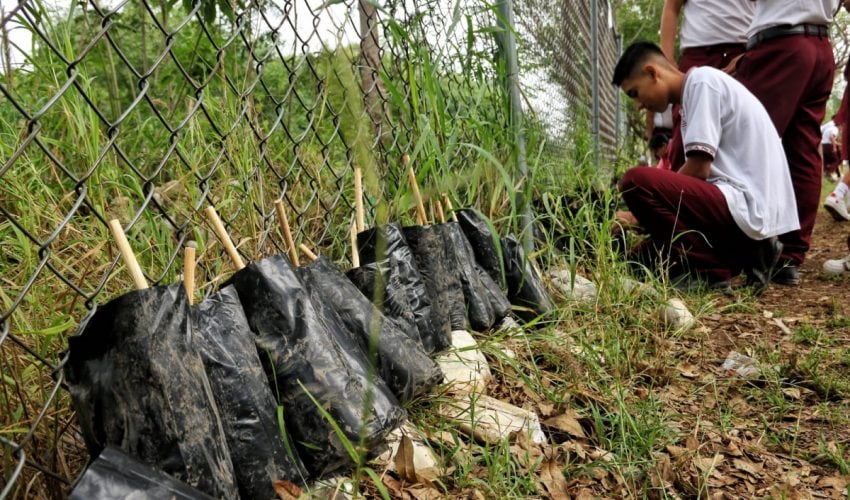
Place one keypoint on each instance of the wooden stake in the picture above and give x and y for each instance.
(440, 215)
(307, 252)
(355, 254)
(224, 238)
(127, 254)
(189, 268)
(287, 233)
(421, 217)
(449, 206)
(358, 198)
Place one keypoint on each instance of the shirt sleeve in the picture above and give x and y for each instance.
(702, 130)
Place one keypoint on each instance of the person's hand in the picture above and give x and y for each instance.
(733, 65)
(626, 219)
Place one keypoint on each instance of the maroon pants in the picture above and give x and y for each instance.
(792, 77)
(688, 218)
(716, 56)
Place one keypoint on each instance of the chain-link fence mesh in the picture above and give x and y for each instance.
(148, 111)
(561, 51)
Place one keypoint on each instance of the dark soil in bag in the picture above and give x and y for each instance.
(114, 475)
(248, 409)
(137, 383)
(402, 283)
(525, 288)
(441, 279)
(485, 244)
(306, 354)
(402, 362)
(485, 302)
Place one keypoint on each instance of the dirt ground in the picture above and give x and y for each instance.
(786, 433)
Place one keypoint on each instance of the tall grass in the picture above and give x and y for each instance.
(219, 127)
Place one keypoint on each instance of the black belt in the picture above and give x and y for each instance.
(786, 30)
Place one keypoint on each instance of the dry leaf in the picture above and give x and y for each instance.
(553, 480)
(838, 482)
(792, 392)
(749, 467)
(286, 490)
(404, 461)
(568, 423)
(706, 464)
(687, 370)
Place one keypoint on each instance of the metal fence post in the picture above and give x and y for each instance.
(509, 50)
(594, 75)
(618, 130)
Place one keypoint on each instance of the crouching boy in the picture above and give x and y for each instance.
(720, 213)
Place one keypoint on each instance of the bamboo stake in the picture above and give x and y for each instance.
(127, 254)
(440, 215)
(224, 238)
(421, 217)
(287, 233)
(355, 254)
(449, 207)
(307, 252)
(358, 198)
(189, 268)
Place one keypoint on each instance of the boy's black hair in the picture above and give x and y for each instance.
(633, 57)
(658, 140)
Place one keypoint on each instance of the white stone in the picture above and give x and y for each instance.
(464, 366)
(579, 289)
(490, 420)
(675, 313)
(424, 460)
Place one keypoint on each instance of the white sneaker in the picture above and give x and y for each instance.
(836, 208)
(837, 267)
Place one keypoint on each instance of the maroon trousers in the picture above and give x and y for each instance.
(716, 56)
(689, 219)
(792, 77)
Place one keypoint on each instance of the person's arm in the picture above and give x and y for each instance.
(698, 164)
(670, 27)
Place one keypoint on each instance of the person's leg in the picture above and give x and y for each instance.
(689, 216)
(792, 77)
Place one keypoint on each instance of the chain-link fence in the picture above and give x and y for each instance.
(148, 111)
(569, 51)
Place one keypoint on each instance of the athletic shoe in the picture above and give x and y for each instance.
(837, 267)
(836, 207)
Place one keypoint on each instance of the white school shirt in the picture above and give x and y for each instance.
(712, 22)
(829, 131)
(770, 13)
(722, 118)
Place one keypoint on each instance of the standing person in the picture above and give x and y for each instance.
(719, 214)
(830, 149)
(713, 33)
(789, 66)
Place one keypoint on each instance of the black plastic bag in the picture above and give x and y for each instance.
(442, 283)
(138, 383)
(485, 302)
(307, 355)
(525, 288)
(520, 280)
(403, 284)
(486, 245)
(245, 401)
(114, 475)
(402, 363)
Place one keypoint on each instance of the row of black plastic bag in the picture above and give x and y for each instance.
(271, 377)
